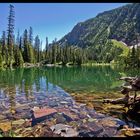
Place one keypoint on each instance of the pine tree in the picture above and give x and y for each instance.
(18, 39)
(46, 47)
(30, 54)
(31, 36)
(25, 44)
(1, 59)
(4, 49)
(138, 57)
(58, 57)
(138, 51)
(54, 51)
(41, 52)
(18, 57)
(61, 54)
(49, 54)
(20, 44)
(73, 55)
(3, 39)
(133, 57)
(37, 48)
(10, 39)
(3, 42)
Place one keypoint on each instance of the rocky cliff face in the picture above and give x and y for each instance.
(122, 24)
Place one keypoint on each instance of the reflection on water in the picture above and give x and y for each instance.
(101, 79)
(41, 82)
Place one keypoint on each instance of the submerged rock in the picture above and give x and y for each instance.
(107, 122)
(2, 117)
(55, 113)
(60, 118)
(86, 133)
(5, 126)
(63, 102)
(43, 112)
(92, 129)
(18, 122)
(64, 130)
(91, 120)
(53, 104)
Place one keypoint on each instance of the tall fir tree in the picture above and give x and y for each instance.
(25, 44)
(31, 36)
(54, 51)
(18, 57)
(21, 44)
(37, 48)
(46, 47)
(18, 39)
(10, 32)
(4, 49)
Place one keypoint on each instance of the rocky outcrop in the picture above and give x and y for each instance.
(119, 24)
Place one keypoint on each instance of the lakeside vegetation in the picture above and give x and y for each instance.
(37, 101)
(22, 49)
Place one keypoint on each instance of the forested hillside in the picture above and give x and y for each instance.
(105, 34)
(122, 24)
(103, 39)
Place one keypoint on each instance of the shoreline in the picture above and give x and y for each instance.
(30, 65)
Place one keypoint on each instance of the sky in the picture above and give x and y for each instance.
(52, 20)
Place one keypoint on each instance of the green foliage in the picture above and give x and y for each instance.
(30, 54)
(18, 57)
(1, 60)
(104, 35)
(37, 49)
(120, 24)
(98, 40)
(119, 51)
(133, 58)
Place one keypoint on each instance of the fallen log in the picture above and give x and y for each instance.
(116, 101)
(128, 79)
(124, 100)
(132, 85)
(127, 100)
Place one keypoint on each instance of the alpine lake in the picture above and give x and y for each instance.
(45, 101)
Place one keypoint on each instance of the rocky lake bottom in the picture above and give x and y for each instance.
(63, 102)
(54, 113)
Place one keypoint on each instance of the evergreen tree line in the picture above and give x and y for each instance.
(64, 55)
(133, 58)
(27, 49)
(24, 48)
(14, 52)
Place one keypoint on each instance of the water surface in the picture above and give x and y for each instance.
(26, 82)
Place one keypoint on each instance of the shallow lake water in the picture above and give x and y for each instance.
(37, 86)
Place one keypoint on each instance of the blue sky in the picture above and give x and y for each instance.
(51, 19)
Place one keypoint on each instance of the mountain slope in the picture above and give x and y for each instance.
(122, 24)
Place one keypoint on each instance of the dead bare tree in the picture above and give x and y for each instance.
(132, 84)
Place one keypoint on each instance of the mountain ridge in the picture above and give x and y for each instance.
(122, 24)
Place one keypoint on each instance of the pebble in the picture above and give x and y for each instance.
(18, 122)
(64, 130)
(5, 126)
(64, 102)
(67, 117)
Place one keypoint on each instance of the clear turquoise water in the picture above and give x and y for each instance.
(85, 78)
(41, 82)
